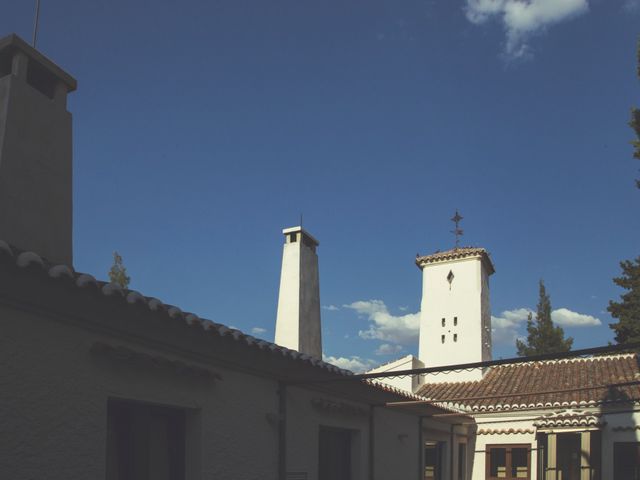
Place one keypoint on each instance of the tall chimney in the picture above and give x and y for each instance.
(298, 319)
(35, 152)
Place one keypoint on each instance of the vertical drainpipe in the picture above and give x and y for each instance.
(371, 442)
(451, 438)
(282, 431)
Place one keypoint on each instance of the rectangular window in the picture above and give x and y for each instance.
(145, 442)
(626, 461)
(433, 458)
(455, 321)
(508, 462)
(455, 337)
(442, 338)
(444, 322)
(335, 454)
(293, 237)
(462, 461)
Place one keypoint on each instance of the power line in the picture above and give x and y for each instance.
(476, 365)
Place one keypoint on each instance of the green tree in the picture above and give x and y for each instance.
(627, 311)
(542, 336)
(118, 273)
(635, 122)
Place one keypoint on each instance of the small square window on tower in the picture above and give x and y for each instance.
(293, 237)
(444, 322)
(455, 321)
(442, 338)
(455, 337)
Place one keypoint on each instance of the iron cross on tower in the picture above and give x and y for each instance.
(457, 231)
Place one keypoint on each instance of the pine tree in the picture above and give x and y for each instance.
(118, 273)
(635, 122)
(542, 336)
(627, 311)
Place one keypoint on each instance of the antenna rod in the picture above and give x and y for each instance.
(35, 23)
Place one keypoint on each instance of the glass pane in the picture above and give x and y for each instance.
(498, 462)
(519, 461)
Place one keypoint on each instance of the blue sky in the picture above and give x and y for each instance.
(202, 128)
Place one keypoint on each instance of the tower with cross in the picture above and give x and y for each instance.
(455, 319)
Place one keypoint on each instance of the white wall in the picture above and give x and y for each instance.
(467, 298)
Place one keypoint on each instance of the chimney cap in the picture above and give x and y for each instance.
(297, 229)
(14, 42)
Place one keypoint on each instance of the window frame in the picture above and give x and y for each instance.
(508, 447)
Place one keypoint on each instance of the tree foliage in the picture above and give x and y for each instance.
(635, 122)
(627, 311)
(542, 335)
(118, 272)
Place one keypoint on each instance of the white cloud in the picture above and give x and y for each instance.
(505, 327)
(258, 330)
(523, 18)
(566, 318)
(402, 329)
(388, 349)
(354, 363)
(631, 6)
(331, 308)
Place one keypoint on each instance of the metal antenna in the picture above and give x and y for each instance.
(35, 23)
(457, 231)
(300, 219)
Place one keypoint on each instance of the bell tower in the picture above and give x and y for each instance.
(35, 152)
(455, 323)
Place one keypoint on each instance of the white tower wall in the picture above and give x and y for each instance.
(455, 324)
(298, 317)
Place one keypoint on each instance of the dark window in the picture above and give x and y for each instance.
(444, 322)
(455, 337)
(433, 453)
(5, 63)
(442, 338)
(335, 454)
(145, 442)
(626, 461)
(293, 237)
(455, 321)
(462, 461)
(508, 462)
(41, 79)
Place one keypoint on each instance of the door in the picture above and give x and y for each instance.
(335, 454)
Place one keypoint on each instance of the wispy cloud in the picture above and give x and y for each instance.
(331, 308)
(354, 363)
(524, 18)
(631, 6)
(258, 331)
(399, 329)
(505, 327)
(566, 318)
(388, 349)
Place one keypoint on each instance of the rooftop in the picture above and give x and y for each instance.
(458, 253)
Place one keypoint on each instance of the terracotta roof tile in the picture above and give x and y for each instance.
(455, 254)
(522, 385)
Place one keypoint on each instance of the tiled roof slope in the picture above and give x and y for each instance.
(455, 254)
(30, 260)
(519, 386)
(39, 265)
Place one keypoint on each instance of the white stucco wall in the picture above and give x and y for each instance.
(408, 383)
(467, 298)
(55, 391)
(298, 317)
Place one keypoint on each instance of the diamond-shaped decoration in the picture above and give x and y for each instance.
(450, 277)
